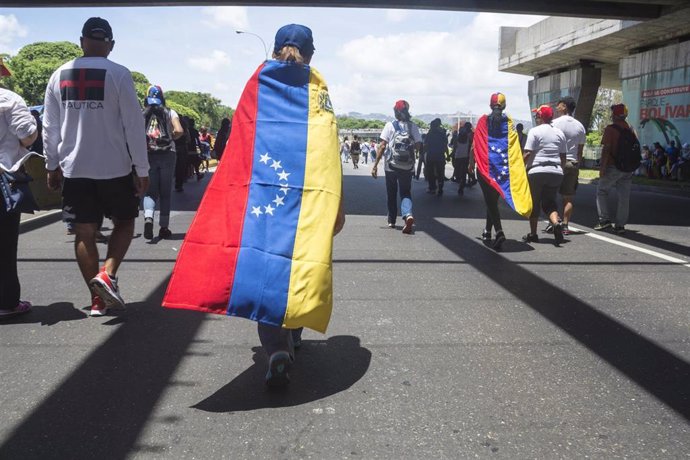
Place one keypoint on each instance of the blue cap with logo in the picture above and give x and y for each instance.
(154, 95)
(295, 35)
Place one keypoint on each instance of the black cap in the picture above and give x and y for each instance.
(97, 29)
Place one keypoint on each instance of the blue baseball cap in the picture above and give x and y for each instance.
(154, 95)
(296, 35)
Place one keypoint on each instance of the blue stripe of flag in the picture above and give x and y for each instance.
(262, 276)
(499, 167)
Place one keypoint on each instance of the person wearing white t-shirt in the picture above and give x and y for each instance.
(544, 156)
(575, 137)
(398, 176)
(94, 137)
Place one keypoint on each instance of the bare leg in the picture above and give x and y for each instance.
(119, 242)
(553, 218)
(86, 250)
(567, 208)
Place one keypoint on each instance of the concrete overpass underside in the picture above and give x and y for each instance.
(648, 59)
(618, 9)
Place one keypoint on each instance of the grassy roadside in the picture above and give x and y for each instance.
(593, 175)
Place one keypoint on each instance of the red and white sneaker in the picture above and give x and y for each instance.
(105, 286)
(409, 222)
(98, 307)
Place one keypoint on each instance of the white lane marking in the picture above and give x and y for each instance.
(50, 213)
(632, 246)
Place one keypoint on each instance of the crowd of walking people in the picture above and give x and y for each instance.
(108, 158)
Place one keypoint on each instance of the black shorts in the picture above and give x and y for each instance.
(85, 201)
(571, 172)
(544, 187)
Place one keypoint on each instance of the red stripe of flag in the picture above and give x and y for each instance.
(205, 270)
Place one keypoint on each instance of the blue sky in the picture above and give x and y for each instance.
(440, 61)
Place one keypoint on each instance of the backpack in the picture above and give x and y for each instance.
(402, 150)
(158, 133)
(628, 153)
(355, 149)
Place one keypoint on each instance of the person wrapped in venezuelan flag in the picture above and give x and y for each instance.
(260, 245)
(497, 155)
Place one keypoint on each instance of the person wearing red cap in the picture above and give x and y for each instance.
(545, 156)
(17, 132)
(497, 157)
(399, 140)
(610, 176)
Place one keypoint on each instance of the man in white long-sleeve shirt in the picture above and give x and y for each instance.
(94, 136)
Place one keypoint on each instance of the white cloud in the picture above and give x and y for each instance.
(397, 15)
(209, 62)
(218, 17)
(434, 71)
(10, 28)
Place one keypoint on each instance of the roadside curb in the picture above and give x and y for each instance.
(41, 219)
(677, 191)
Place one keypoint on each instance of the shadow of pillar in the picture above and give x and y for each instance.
(102, 407)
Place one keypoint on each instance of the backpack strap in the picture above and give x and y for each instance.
(396, 126)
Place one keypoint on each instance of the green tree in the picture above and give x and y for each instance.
(141, 84)
(35, 63)
(345, 122)
(601, 113)
(184, 111)
(421, 123)
(209, 108)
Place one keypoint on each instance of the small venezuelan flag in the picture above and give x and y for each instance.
(260, 245)
(498, 156)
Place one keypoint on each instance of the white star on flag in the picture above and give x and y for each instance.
(264, 158)
(276, 165)
(269, 209)
(284, 188)
(283, 175)
(256, 210)
(279, 201)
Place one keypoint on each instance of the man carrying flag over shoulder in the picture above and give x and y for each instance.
(260, 246)
(498, 158)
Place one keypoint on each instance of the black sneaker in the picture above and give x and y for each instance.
(164, 233)
(486, 237)
(278, 365)
(602, 225)
(558, 234)
(548, 228)
(619, 229)
(498, 242)
(148, 229)
(531, 238)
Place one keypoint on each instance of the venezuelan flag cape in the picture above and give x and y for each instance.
(260, 245)
(498, 156)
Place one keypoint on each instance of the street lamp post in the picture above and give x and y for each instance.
(257, 36)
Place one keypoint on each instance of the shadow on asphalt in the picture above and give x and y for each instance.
(48, 315)
(102, 407)
(658, 371)
(322, 368)
(639, 237)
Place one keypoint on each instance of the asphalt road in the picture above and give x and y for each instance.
(438, 346)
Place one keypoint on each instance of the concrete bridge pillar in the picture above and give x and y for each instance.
(581, 83)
